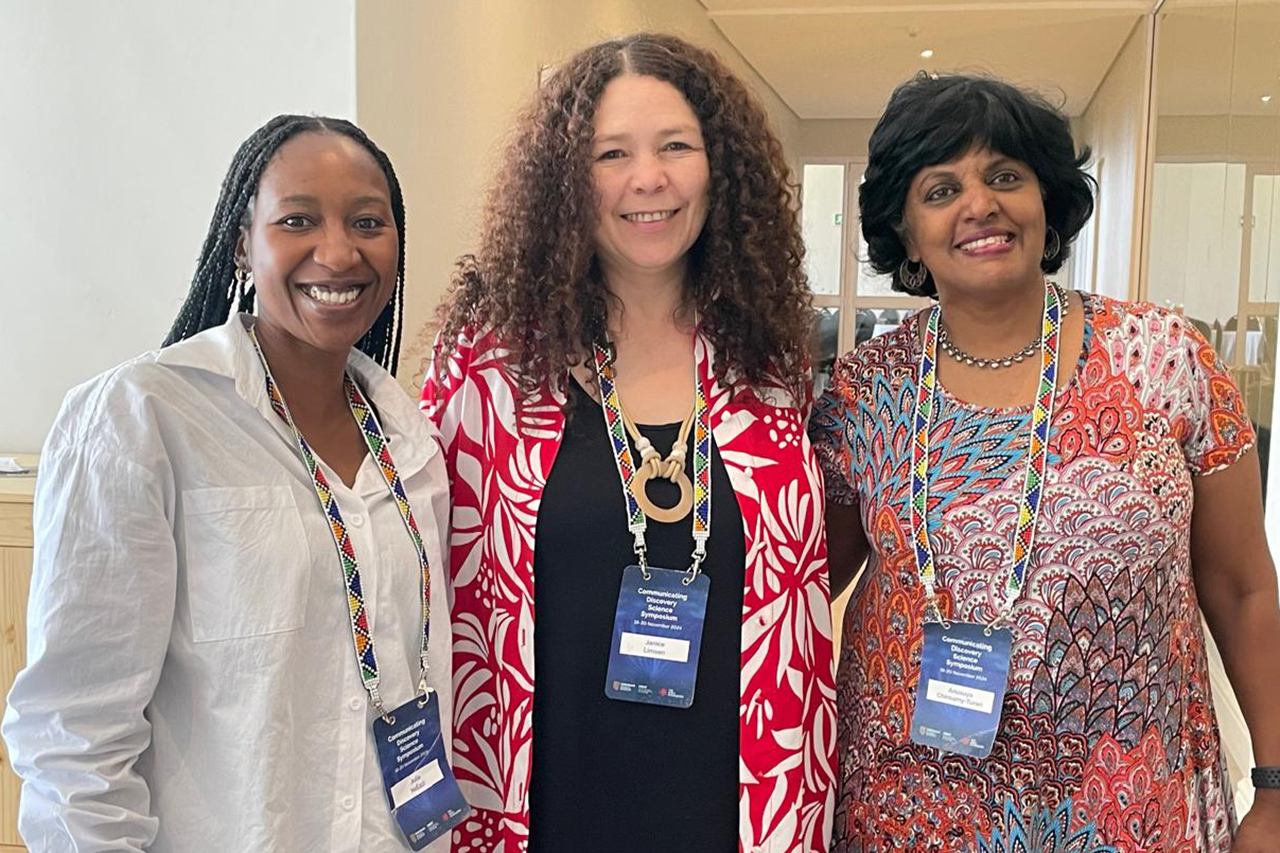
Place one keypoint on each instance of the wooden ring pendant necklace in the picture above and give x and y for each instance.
(652, 464)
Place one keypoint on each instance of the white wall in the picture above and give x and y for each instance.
(1113, 126)
(120, 120)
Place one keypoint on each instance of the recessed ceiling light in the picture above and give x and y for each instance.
(927, 54)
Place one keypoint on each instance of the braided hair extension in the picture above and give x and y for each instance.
(215, 292)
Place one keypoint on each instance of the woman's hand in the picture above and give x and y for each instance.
(1260, 830)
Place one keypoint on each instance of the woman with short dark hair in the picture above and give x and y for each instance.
(1046, 485)
(934, 120)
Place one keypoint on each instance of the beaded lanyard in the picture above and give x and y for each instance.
(636, 521)
(377, 443)
(1037, 457)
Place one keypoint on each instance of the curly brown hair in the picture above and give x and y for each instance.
(535, 279)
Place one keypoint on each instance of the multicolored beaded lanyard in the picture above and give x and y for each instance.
(636, 521)
(1037, 457)
(377, 443)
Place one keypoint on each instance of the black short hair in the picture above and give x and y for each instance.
(215, 293)
(934, 119)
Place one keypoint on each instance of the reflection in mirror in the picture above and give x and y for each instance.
(1214, 240)
(1214, 245)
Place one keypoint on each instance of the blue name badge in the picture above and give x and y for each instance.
(964, 670)
(657, 637)
(420, 786)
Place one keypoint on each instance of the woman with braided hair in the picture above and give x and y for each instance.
(238, 543)
(620, 382)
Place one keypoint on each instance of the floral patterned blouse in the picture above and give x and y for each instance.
(498, 457)
(1108, 740)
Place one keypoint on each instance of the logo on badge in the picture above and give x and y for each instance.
(615, 685)
(662, 691)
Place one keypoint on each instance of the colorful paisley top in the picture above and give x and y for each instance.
(1108, 739)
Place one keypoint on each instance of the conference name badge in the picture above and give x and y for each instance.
(420, 786)
(657, 637)
(964, 670)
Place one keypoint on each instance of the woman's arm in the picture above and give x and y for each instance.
(100, 614)
(1235, 581)
(847, 545)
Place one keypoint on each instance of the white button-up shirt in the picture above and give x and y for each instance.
(191, 682)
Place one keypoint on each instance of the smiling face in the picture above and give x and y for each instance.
(977, 222)
(650, 175)
(322, 243)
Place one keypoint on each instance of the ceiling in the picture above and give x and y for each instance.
(834, 59)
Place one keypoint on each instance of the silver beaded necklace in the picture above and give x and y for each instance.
(944, 343)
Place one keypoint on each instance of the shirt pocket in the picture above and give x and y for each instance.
(248, 564)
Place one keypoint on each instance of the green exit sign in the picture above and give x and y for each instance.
(839, 219)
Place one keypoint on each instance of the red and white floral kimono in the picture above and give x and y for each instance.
(498, 464)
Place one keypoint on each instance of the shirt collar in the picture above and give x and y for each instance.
(227, 350)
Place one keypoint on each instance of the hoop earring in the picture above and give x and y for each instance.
(1052, 243)
(913, 278)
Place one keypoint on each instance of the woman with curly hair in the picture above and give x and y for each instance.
(1050, 487)
(621, 382)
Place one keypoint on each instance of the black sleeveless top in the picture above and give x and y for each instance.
(622, 776)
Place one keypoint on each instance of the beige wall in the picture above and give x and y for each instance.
(1218, 138)
(439, 83)
(1113, 126)
(820, 138)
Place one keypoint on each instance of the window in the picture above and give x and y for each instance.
(854, 303)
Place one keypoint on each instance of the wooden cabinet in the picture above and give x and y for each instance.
(15, 581)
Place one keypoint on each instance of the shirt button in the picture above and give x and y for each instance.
(356, 703)
(357, 520)
(348, 803)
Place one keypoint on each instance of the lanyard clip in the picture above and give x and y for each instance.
(699, 554)
(376, 698)
(642, 555)
(933, 613)
(1001, 621)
